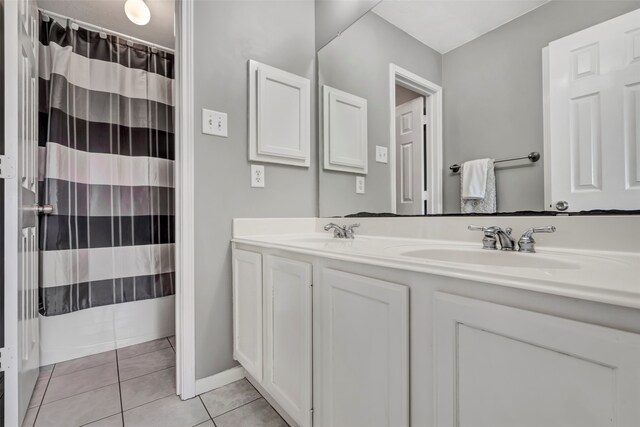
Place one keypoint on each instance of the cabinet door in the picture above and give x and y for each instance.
(501, 366)
(287, 333)
(362, 353)
(247, 311)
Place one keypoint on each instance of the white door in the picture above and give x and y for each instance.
(594, 117)
(20, 359)
(287, 335)
(362, 352)
(247, 311)
(498, 366)
(410, 194)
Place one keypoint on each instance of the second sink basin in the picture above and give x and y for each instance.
(492, 258)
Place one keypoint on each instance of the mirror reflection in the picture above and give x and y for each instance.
(449, 107)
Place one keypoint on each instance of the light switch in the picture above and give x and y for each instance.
(214, 122)
(359, 184)
(381, 154)
(257, 176)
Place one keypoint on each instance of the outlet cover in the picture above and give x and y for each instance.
(257, 176)
(214, 123)
(359, 184)
(381, 154)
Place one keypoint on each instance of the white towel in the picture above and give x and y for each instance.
(474, 178)
(478, 186)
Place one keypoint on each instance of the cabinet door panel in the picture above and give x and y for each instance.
(247, 311)
(363, 352)
(501, 366)
(287, 326)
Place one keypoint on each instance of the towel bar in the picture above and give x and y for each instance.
(533, 156)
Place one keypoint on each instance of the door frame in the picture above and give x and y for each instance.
(433, 101)
(185, 203)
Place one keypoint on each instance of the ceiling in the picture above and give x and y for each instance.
(445, 25)
(109, 14)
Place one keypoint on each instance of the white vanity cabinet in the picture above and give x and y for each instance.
(362, 351)
(341, 343)
(502, 366)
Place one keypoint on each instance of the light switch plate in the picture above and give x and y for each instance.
(359, 184)
(214, 123)
(381, 154)
(257, 176)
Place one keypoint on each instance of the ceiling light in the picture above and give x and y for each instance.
(137, 11)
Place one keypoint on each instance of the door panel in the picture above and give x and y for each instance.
(540, 370)
(594, 117)
(409, 157)
(362, 352)
(247, 311)
(21, 359)
(287, 337)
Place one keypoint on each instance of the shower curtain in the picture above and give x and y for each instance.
(106, 151)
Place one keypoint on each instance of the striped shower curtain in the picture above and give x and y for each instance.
(106, 142)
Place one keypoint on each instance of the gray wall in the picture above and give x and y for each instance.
(335, 16)
(493, 97)
(228, 34)
(358, 62)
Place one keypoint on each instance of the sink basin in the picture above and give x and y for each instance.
(491, 258)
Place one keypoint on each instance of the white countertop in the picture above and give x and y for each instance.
(601, 276)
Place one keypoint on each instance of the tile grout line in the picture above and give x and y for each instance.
(205, 408)
(82, 370)
(146, 352)
(147, 373)
(237, 407)
(35, 420)
(119, 388)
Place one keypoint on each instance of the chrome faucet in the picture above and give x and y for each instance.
(341, 232)
(493, 234)
(526, 242)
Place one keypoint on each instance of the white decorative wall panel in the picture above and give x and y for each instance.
(279, 116)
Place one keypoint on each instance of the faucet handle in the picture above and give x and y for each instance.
(489, 240)
(527, 243)
(348, 230)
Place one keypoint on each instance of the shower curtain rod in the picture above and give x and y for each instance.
(92, 27)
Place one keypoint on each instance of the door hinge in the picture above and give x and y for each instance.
(2, 359)
(7, 168)
(425, 120)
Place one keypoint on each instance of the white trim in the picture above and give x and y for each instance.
(220, 379)
(433, 94)
(546, 151)
(185, 203)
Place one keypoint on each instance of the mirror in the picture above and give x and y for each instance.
(449, 107)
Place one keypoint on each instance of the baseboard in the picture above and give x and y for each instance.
(272, 402)
(220, 379)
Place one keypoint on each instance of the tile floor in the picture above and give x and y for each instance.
(135, 387)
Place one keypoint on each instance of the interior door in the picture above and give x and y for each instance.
(409, 157)
(594, 117)
(20, 359)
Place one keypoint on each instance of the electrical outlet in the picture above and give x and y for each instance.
(257, 176)
(214, 123)
(359, 184)
(381, 154)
